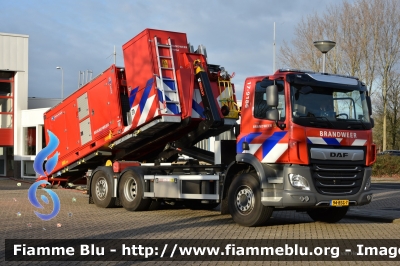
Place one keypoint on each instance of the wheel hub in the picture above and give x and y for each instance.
(245, 200)
(130, 190)
(101, 188)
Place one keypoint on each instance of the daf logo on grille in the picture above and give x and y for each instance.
(339, 154)
(336, 155)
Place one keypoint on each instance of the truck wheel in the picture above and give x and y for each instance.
(101, 190)
(328, 215)
(131, 192)
(245, 205)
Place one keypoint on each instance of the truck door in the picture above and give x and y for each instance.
(266, 141)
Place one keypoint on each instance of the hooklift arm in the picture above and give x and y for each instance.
(211, 112)
(213, 124)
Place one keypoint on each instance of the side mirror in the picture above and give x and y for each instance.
(369, 105)
(372, 122)
(272, 96)
(272, 115)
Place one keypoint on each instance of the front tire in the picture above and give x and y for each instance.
(245, 205)
(328, 215)
(101, 190)
(131, 192)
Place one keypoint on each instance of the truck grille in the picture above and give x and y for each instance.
(337, 179)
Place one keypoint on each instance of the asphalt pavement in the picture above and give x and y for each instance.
(77, 219)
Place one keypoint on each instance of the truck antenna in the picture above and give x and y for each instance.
(273, 53)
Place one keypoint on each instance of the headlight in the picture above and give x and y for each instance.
(299, 181)
(368, 183)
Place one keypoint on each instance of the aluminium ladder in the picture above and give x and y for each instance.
(167, 85)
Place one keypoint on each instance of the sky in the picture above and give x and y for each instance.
(80, 35)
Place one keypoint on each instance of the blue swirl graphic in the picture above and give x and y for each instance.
(35, 202)
(41, 156)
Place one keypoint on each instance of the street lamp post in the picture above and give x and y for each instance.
(324, 47)
(62, 81)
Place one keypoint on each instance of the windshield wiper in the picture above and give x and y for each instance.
(359, 122)
(311, 115)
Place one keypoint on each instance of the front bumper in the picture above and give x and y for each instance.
(290, 197)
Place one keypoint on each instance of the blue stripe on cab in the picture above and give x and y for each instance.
(248, 138)
(271, 142)
(331, 141)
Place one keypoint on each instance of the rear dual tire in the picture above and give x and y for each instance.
(131, 192)
(101, 190)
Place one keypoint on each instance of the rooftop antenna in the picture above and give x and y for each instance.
(115, 56)
(273, 60)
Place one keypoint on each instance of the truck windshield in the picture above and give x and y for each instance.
(329, 107)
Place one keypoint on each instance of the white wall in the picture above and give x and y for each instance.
(30, 118)
(14, 57)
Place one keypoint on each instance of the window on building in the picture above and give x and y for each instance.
(5, 89)
(5, 121)
(6, 75)
(5, 105)
(2, 161)
(29, 140)
(43, 137)
(28, 168)
(6, 99)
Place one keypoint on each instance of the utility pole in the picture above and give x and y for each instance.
(62, 81)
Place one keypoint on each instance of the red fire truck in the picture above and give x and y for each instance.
(304, 142)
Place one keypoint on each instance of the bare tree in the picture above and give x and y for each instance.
(389, 50)
(367, 36)
(393, 114)
(393, 108)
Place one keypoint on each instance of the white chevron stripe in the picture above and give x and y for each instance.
(254, 147)
(146, 109)
(275, 153)
(165, 87)
(197, 99)
(157, 112)
(134, 111)
(359, 142)
(317, 140)
(197, 96)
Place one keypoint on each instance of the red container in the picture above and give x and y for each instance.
(87, 120)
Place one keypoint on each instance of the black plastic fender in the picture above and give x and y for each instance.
(258, 167)
(264, 171)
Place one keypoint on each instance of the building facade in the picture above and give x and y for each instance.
(13, 99)
(21, 118)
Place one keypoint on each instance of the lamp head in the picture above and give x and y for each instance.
(324, 46)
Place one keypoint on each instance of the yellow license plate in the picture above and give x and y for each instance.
(338, 203)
